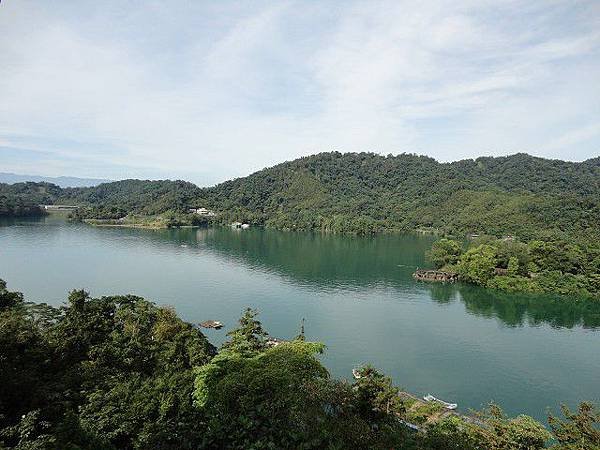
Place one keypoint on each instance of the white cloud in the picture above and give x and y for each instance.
(575, 136)
(220, 90)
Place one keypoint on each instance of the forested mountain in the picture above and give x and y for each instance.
(364, 192)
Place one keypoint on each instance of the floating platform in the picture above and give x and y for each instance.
(435, 275)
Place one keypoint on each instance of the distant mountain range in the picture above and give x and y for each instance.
(63, 182)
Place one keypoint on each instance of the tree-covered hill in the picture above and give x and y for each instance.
(145, 197)
(362, 193)
(23, 199)
(365, 192)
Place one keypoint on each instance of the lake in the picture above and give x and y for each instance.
(357, 295)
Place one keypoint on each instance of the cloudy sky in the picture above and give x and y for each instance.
(207, 91)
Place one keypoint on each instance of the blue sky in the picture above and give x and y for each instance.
(206, 91)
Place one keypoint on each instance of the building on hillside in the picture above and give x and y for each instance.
(202, 212)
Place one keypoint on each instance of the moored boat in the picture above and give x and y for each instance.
(211, 324)
(431, 398)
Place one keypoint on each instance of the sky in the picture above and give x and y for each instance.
(210, 90)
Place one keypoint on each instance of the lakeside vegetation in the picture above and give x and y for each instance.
(549, 266)
(121, 372)
(23, 199)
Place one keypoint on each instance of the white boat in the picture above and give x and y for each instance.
(431, 398)
(356, 374)
(211, 324)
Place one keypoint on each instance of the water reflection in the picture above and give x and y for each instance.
(524, 309)
(361, 262)
(325, 262)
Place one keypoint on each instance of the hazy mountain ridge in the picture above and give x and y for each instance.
(62, 181)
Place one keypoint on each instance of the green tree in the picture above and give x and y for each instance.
(511, 248)
(451, 433)
(578, 431)
(9, 299)
(249, 338)
(260, 401)
(444, 252)
(513, 266)
(477, 264)
(376, 395)
(114, 372)
(140, 378)
(502, 433)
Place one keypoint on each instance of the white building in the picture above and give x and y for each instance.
(202, 212)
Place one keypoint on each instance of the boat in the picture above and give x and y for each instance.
(431, 398)
(356, 373)
(212, 324)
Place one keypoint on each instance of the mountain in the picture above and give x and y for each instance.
(11, 178)
(144, 197)
(365, 193)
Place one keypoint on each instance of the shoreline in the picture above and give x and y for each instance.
(140, 225)
(414, 232)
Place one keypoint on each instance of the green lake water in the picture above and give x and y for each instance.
(460, 343)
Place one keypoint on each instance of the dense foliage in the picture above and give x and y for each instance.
(141, 197)
(23, 199)
(551, 265)
(364, 192)
(112, 372)
(120, 372)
